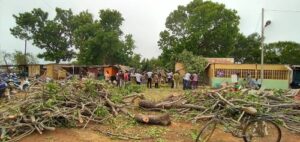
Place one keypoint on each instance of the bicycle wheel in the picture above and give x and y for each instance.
(206, 131)
(262, 131)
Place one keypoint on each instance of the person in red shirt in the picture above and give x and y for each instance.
(126, 77)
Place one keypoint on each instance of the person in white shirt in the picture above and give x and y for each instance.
(186, 81)
(169, 76)
(138, 78)
(149, 82)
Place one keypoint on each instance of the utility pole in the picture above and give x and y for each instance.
(25, 52)
(262, 46)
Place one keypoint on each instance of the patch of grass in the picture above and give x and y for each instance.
(101, 111)
(118, 93)
(160, 140)
(176, 116)
(50, 139)
(193, 134)
(130, 123)
(156, 131)
(190, 97)
(122, 122)
(158, 94)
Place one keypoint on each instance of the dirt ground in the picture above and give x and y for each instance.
(179, 131)
(176, 132)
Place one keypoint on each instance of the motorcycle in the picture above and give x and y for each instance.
(3, 86)
(13, 81)
(16, 83)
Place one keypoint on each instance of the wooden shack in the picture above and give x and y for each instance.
(110, 69)
(56, 71)
(34, 69)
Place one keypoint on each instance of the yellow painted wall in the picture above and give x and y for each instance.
(34, 70)
(180, 68)
(49, 71)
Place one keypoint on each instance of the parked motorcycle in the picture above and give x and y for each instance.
(3, 86)
(13, 81)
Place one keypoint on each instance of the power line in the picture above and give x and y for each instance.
(47, 4)
(257, 23)
(278, 10)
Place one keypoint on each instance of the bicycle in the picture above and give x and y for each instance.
(252, 128)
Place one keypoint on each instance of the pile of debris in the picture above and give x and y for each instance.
(205, 104)
(74, 104)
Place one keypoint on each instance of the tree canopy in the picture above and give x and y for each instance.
(102, 41)
(21, 59)
(192, 63)
(54, 36)
(247, 49)
(283, 52)
(203, 27)
(99, 41)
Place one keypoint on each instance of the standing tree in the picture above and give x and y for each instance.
(54, 36)
(21, 59)
(283, 52)
(101, 41)
(247, 49)
(203, 27)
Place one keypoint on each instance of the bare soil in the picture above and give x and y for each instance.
(176, 132)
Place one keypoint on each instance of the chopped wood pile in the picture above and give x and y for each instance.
(76, 104)
(73, 105)
(203, 105)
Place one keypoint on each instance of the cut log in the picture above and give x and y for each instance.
(163, 119)
(168, 105)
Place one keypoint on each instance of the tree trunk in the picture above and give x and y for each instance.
(168, 105)
(163, 119)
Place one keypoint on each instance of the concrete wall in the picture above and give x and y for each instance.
(267, 83)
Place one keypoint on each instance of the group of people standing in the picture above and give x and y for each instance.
(157, 78)
(121, 78)
(190, 81)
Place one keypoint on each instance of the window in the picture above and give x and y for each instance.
(268, 74)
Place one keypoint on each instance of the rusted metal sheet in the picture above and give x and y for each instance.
(220, 60)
